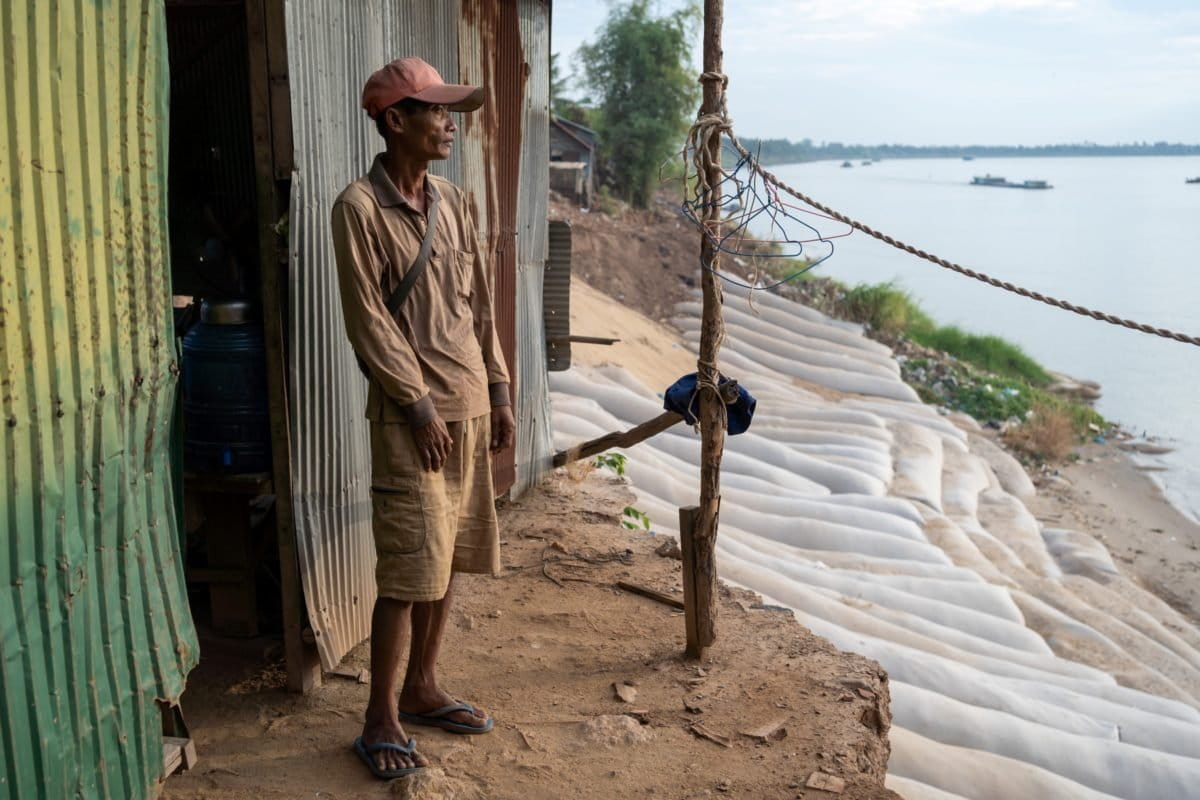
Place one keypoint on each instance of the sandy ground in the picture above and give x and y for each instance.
(541, 648)
(1107, 495)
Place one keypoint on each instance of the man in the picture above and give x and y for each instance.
(437, 399)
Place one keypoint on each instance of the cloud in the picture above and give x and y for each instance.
(906, 13)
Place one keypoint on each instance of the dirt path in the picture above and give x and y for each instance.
(541, 648)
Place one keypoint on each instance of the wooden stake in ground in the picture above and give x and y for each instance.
(712, 409)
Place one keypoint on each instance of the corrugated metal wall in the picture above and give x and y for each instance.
(94, 621)
(333, 45)
(535, 444)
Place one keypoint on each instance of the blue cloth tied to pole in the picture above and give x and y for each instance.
(681, 397)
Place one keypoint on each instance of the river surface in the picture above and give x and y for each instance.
(1118, 234)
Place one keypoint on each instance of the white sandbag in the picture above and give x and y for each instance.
(754, 343)
(820, 535)
(1119, 769)
(822, 508)
(949, 537)
(782, 311)
(841, 380)
(1078, 553)
(888, 505)
(1098, 596)
(917, 452)
(808, 334)
(915, 790)
(914, 413)
(1013, 477)
(978, 774)
(801, 433)
(1007, 518)
(850, 628)
(835, 477)
(964, 476)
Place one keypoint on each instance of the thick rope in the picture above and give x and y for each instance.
(1112, 319)
(706, 132)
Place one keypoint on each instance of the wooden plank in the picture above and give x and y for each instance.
(608, 441)
(653, 594)
(280, 90)
(303, 665)
(179, 754)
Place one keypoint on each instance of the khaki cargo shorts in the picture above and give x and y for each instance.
(429, 524)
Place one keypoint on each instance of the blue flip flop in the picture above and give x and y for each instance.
(366, 752)
(438, 719)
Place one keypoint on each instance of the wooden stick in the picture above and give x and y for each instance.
(583, 339)
(627, 438)
(712, 429)
(653, 594)
(639, 433)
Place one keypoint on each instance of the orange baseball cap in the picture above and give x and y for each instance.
(413, 77)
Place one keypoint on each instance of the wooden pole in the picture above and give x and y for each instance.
(271, 125)
(703, 570)
(608, 441)
(699, 607)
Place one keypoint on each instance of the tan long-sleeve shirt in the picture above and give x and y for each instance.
(440, 355)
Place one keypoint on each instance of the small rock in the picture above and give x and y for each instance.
(724, 786)
(771, 731)
(669, 549)
(610, 730)
(626, 694)
(826, 782)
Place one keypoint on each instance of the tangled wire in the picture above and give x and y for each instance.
(747, 194)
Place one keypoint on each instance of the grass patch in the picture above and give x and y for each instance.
(894, 313)
(987, 377)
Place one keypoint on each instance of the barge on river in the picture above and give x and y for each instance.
(995, 180)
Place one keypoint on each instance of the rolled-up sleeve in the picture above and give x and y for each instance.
(372, 332)
(485, 322)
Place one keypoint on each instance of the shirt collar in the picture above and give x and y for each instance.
(386, 193)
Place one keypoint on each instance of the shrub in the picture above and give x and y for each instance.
(1048, 434)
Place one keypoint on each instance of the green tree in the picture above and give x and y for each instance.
(640, 74)
(560, 104)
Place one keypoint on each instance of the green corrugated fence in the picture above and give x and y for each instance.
(94, 621)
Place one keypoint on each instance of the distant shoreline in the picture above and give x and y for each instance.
(783, 151)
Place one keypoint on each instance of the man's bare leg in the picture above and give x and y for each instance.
(389, 628)
(421, 692)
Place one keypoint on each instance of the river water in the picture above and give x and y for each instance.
(1119, 234)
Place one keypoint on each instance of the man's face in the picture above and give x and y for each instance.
(427, 134)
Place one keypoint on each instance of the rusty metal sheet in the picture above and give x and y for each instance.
(94, 619)
(535, 445)
(332, 46)
(556, 298)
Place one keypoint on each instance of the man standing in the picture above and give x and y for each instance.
(437, 397)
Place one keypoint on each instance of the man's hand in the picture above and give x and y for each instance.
(504, 428)
(433, 443)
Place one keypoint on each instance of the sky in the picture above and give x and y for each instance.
(948, 72)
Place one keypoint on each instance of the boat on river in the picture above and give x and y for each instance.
(996, 180)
